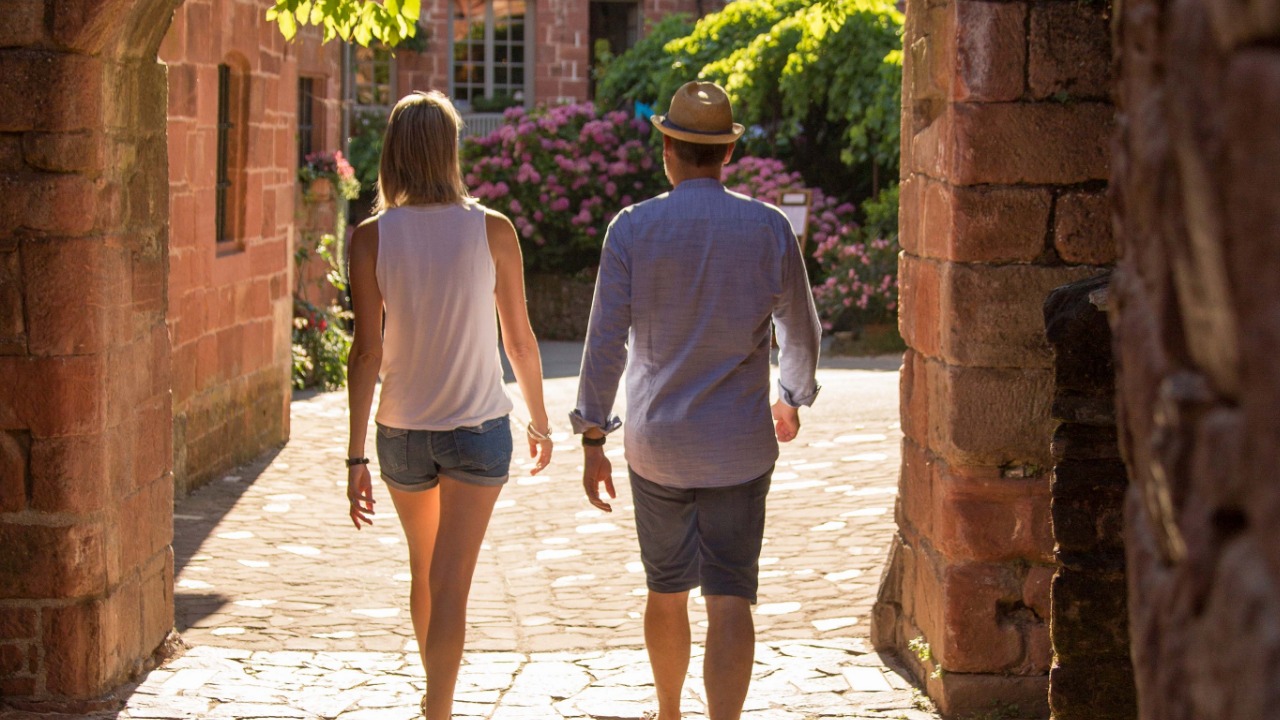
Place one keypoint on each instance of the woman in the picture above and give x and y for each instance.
(438, 264)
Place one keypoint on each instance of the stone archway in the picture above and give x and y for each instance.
(85, 417)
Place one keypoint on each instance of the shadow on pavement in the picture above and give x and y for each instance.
(194, 519)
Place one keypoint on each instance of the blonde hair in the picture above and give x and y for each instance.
(419, 162)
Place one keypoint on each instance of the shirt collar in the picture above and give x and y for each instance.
(698, 183)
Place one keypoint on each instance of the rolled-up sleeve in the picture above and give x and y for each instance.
(799, 331)
(604, 356)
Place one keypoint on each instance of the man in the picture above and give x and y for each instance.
(688, 283)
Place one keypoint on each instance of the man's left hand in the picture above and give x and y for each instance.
(597, 471)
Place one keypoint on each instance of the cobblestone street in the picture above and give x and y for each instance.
(291, 613)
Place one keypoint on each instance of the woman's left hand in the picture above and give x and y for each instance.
(540, 449)
(360, 495)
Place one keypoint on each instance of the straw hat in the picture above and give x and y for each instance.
(700, 113)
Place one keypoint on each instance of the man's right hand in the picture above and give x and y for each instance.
(786, 421)
(597, 471)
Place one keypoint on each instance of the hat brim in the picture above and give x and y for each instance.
(660, 122)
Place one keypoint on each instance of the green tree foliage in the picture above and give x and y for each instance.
(819, 82)
(635, 74)
(360, 21)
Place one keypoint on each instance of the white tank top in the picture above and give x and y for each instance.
(440, 364)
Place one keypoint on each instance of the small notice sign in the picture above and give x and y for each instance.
(795, 205)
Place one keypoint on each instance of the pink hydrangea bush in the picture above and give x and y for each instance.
(561, 173)
(857, 278)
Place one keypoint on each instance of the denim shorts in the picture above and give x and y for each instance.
(414, 460)
(707, 537)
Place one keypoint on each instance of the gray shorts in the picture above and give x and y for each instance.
(708, 537)
(414, 460)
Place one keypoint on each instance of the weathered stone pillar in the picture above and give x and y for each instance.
(1006, 126)
(86, 588)
(1092, 677)
(1196, 318)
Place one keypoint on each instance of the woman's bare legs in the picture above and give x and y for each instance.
(465, 517)
(420, 517)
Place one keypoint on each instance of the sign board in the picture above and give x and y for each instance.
(795, 205)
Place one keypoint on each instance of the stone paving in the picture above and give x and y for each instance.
(289, 612)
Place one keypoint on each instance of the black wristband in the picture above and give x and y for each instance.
(594, 442)
(352, 462)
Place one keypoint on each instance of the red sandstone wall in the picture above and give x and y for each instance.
(1006, 127)
(1197, 326)
(86, 496)
(230, 313)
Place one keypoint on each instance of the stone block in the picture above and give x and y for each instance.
(73, 645)
(1085, 442)
(50, 561)
(1098, 690)
(19, 622)
(990, 416)
(149, 526)
(979, 516)
(69, 475)
(962, 695)
(1089, 617)
(1082, 229)
(1070, 48)
(919, 318)
(13, 659)
(74, 152)
(930, 150)
(916, 507)
(11, 155)
(1088, 512)
(13, 329)
(914, 394)
(1240, 23)
(911, 209)
(991, 51)
(994, 315)
(984, 622)
(1253, 99)
(26, 201)
(54, 396)
(24, 24)
(73, 318)
(988, 224)
(1076, 326)
(1030, 143)
(49, 91)
(1082, 409)
(15, 470)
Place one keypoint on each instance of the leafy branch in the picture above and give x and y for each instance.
(360, 21)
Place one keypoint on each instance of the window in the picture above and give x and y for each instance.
(372, 78)
(229, 184)
(306, 118)
(614, 27)
(489, 51)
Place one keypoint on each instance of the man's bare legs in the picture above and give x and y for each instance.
(730, 656)
(666, 637)
(463, 518)
(731, 647)
(420, 517)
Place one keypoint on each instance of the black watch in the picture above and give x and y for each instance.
(352, 462)
(594, 442)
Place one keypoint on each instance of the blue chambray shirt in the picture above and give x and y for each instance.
(689, 284)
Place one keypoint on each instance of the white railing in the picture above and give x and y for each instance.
(480, 124)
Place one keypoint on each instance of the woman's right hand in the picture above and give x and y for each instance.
(541, 451)
(360, 495)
